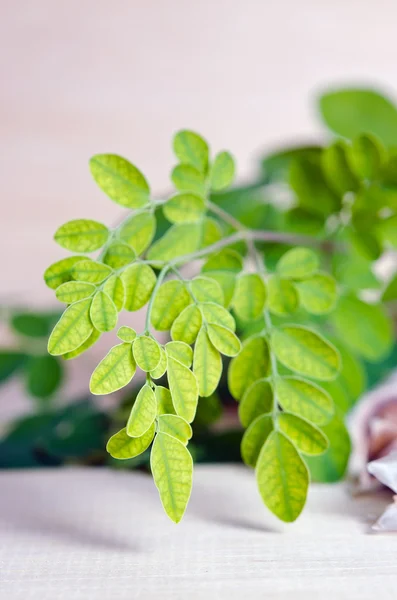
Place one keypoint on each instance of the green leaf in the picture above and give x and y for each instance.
(126, 334)
(103, 312)
(352, 376)
(90, 271)
(31, 324)
(122, 446)
(186, 326)
(254, 439)
(307, 180)
(305, 399)
(257, 400)
(161, 367)
(10, 362)
(249, 297)
(250, 365)
(365, 244)
(331, 466)
(115, 371)
(146, 352)
(211, 232)
(82, 235)
(276, 165)
(188, 179)
(207, 364)
(282, 477)
(164, 401)
(337, 170)
(365, 157)
(184, 208)
(282, 297)
(90, 341)
(224, 340)
(184, 389)
(354, 271)
(73, 291)
(366, 328)
(303, 221)
(340, 397)
(172, 469)
(209, 411)
(206, 290)
(298, 263)
(318, 294)
(191, 149)
(222, 171)
(227, 282)
(72, 330)
(387, 230)
(308, 438)
(120, 180)
(61, 271)
(138, 232)
(390, 292)
(139, 280)
(180, 351)
(176, 427)
(350, 112)
(118, 255)
(171, 298)
(305, 352)
(217, 315)
(143, 412)
(44, 375)
(179, 240)
(114, 288)
(224, 260)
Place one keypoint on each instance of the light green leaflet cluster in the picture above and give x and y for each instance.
(273, 374)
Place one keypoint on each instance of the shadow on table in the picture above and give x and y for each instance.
(223, 502)
(28, 507)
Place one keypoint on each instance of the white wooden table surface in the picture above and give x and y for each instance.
(85, 534)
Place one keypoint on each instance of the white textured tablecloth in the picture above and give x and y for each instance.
(86, 534)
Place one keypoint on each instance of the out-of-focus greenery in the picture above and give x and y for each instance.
(55, 432)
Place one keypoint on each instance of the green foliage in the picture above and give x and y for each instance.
(364, 327)
(103, 312)
(82, 235)
(287, 310)
(72, 329)
(351, 112)
(143, 412)
(282, 477)
(222, 171)
(139, 280)
(184, 208)
(42, 374)
(115, 371)
(172, 468)
(331, 466)
(120, 180)
(123, 447)
(10, 362)
(305, 352)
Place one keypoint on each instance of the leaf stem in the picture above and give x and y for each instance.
(225, 216)
(260, 265)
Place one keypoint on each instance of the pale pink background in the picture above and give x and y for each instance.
(86, 76)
